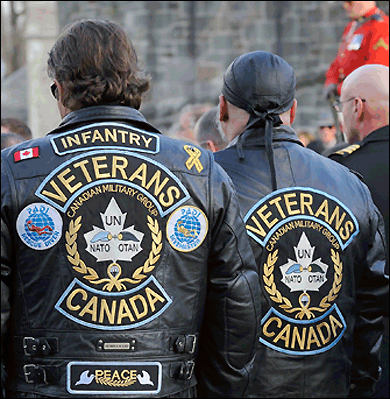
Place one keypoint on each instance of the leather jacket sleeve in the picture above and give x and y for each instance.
(372, 293)
(233, 302)
(5, 265)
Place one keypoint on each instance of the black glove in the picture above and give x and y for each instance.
(330, 91)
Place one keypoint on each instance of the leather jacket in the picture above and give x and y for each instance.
(318, 240)
(124, 264)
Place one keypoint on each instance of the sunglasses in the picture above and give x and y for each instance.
(53, 89)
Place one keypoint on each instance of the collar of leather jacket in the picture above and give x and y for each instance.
(256, 136)
(118, 113)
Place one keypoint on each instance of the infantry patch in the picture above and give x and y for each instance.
(142, 378)
(303, 232)
(187, 228)
(105, 136)
(39, 226)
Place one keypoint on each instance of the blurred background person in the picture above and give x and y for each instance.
(365, 40)
(208, 133)
(364, 104)
(326, 134)
(10, 139)
(305, 136)
(189, 115)
(13, 125)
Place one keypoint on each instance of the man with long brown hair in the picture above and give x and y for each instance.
(125, 260)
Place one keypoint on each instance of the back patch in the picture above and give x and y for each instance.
(303, 233)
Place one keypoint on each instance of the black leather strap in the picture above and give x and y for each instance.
(37, 373)
(182, 370)
(184, 343)
(34, 346)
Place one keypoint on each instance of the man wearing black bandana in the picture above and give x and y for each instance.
(317, 237)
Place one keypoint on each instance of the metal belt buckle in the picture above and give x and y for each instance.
(26, 346)
(192, 350)
(189, 372)
(27, 373)
(35, 371)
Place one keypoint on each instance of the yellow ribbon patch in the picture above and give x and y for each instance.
(380, 43)
(194, 154)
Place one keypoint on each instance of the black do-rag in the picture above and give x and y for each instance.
(263, 84)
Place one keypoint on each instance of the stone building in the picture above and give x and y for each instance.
(187, 45)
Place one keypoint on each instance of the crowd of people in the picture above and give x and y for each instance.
(230, 257)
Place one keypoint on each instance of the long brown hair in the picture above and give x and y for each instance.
(96, 63)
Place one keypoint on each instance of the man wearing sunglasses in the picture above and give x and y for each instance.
(365, 40)
(364, 104)
(125, 261)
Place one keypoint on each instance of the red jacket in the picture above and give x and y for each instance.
(367, 44)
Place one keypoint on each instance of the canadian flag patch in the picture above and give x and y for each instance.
(27, 153)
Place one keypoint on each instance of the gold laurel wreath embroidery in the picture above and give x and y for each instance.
(91, 275)
(112, 383)
(285, 303)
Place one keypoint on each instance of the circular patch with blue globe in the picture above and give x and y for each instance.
(39, 226)
(186, 228)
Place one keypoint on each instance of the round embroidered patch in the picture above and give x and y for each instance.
(187, 228)
(39, 226)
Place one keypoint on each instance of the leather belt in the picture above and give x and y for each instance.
(47, 346)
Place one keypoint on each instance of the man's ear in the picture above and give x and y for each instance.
(223, 109)
(293, 111)
(60, 90)
(358, 109)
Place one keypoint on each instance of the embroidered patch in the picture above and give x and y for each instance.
(348, 150)
(193, 160)
(187, 228)
(355, 42)
(39, 226)
(114, 256)
(380, 43)
(27, 153)
(105, 136)
(115, 172)
(140, 378)
(303, 233)
(113, 205)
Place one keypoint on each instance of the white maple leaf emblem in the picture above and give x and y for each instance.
(304, 273)
(113, 242)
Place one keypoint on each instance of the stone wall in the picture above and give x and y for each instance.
(187, 45)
